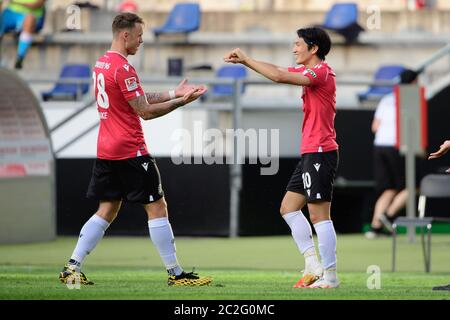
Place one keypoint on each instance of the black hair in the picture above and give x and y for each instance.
(316, 36)
(408, 76)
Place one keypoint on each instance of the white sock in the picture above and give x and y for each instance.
(326, 237)
(302, 234)
(162, 237)
(330, 275)
(91, 233)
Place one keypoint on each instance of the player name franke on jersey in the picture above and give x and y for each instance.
(102, 65)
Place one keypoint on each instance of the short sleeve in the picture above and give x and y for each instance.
(129, 83)
(296, 69)
(378, 112)
(385, 103)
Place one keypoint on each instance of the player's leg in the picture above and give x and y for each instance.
(25, 39)
(90, 235)
(9, 21)
(385, 187)
(143, 185)
(162, 236)
(381, 205)
(163, 239)
(104, 184)
(319, 213)
(319, 170)
(397, 204)
(290, 210)
(397, 172)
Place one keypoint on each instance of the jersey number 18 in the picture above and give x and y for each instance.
(102, 96)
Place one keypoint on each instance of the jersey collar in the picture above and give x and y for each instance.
(111, 51)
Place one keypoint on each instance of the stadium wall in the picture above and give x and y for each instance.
(198, 195)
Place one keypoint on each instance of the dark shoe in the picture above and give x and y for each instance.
(70, 275)
(447, 287)
(19, 63)
(188, 279)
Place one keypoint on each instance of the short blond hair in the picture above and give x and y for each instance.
(125, 20)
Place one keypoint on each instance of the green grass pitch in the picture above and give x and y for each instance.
(256, 268)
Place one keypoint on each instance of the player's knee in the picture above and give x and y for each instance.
(107, 215)
(314, 218)
(108, 210)
(161, 205)
(318, 217)
(284, 208)
(157, 209)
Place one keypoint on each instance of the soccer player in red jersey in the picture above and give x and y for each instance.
(124, 170)
(312, 181)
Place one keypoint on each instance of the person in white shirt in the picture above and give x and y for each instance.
(389, 165)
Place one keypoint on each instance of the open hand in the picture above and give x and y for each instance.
(183, 87)
(194, 94)
(442, 150)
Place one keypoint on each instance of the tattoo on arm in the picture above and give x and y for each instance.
(139, 105)
(149, 111)
(157, 97)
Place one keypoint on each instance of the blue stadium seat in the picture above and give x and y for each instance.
(184, 18)
(228, 71)
(70, 90)
(384, 72)
(342, 18)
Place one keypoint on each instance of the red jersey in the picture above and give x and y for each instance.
(319, 108)
(116, 82)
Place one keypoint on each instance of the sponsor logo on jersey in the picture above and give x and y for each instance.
(131, 83)
(145, 165)
(126, 67)
(310, 72)
(317, 166)
(318, 196)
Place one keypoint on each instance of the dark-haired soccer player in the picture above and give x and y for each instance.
(124, 169)
(312, 180)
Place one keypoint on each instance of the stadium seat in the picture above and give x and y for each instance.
(70, 91)
(431, 186)
(228, 71)
(342, 18)
(184, 18)
(384, 72)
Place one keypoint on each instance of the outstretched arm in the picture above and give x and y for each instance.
(148, 111)
(268, 70)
